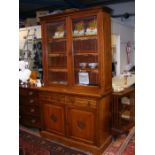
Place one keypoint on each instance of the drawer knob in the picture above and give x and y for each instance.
(32, 110)
(31, 93)
(33, 120)
(31, 101)
(81, 124)
(54, 118)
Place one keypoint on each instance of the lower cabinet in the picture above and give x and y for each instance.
(77, 121)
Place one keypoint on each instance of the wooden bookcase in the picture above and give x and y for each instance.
(75, 101)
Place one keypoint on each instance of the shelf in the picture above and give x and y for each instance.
(94, 70)
(90, 85)
(56, 54)
(59, 82)
(86, 53)
(50, 40)
(58, 70)
(85, 37)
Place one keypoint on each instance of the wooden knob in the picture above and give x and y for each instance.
(30, 93)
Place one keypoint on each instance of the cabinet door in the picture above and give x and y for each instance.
(81, 125)
(54, 118)
(56, 48)
(85, 51)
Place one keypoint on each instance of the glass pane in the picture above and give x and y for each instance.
(85, 50)
(57, 58)
(56, 30)
(57, 77)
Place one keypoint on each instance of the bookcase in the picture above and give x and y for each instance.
(75, 100)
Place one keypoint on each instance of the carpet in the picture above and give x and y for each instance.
(123, 145)
(31, 143)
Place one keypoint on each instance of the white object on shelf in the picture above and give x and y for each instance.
(91, 31)
(38, 83)
(93, 65)
(125, 100)
(24, 75)
(58, 35)
(126, 115)
(78, 33)
(83, 64)
(118, 82)
(83, 78)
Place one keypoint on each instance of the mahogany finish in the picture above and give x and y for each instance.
(75, 120)
(72, 113)
(123, 114)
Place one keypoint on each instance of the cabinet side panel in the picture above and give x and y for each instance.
(107, 51)
(44, 51)
(104, 119)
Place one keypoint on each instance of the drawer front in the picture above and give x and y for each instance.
(82, 102)
(27, 92)
(29, 110)
(28, 100)
(52, 97)
(30, 121)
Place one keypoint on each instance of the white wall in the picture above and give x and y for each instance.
(122, 8)
(125, 33)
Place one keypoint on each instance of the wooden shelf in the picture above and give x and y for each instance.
(85, 37)
(86, 53)
(58, 69)
(50, 40)
(57, 54)
(123, 114)
(95, 70)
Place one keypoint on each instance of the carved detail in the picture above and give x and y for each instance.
(33, 121)
(54, 118)
(81, 124)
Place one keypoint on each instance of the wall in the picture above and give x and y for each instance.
(124, 33)
(122, 8)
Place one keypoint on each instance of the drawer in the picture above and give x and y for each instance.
(30, 121)
(29, 110)
(52, 97)
(27, 92)
(82, 102)
(28, 100)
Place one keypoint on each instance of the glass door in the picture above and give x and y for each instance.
(57, 53)
(85, 51)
